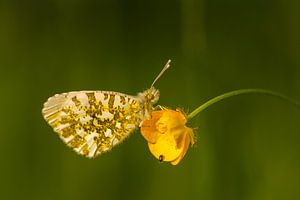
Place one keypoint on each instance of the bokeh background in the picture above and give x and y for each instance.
(248, 147)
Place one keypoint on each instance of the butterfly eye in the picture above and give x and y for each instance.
(150, 96)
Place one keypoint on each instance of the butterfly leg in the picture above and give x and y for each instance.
(159, 107)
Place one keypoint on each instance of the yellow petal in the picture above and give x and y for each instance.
(187, 140)
(148, 127)
(172, 119)
(179, 135)
(165, 148)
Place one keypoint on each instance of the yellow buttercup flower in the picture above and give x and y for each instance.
(167, 134)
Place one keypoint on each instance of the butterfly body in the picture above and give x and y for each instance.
(92, 122)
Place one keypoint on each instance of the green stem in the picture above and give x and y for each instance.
(239, 92)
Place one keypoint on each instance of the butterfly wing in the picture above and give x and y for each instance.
(92, 122)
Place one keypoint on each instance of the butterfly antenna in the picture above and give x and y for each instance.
(167, 65)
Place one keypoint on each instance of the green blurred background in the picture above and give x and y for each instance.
(248, 147)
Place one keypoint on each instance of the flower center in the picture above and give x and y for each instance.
(161, 127)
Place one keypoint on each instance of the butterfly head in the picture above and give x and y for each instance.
(150, 96)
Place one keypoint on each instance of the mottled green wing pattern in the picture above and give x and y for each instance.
(92, 122)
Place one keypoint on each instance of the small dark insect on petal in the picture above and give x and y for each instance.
(161, 158)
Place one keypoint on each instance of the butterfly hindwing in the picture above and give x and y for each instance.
(92, 122)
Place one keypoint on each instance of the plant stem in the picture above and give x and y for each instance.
(239, 92)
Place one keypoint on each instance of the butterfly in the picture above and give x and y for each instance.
(93, 122)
